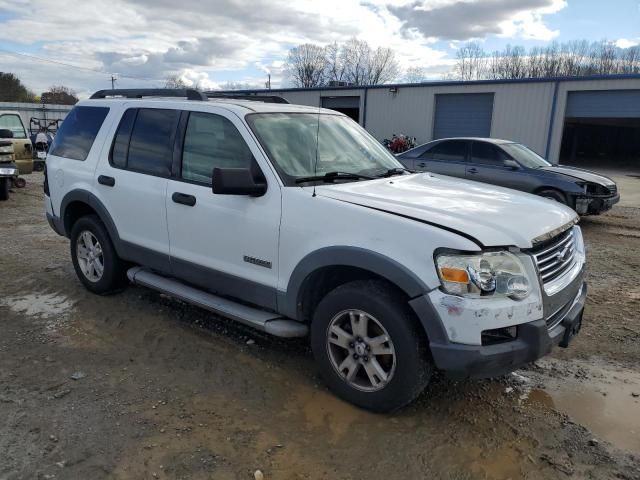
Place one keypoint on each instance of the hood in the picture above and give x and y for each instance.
(580, 174)
(493, 216)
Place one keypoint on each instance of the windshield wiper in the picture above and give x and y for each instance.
(394, 171)
(330, 177)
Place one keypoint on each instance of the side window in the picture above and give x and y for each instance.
(212, 141)
(151, 143)
(78, 132)
(14, 123)
(120, 148)
(453, 151)
(487, 154)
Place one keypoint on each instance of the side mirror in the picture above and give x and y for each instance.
(5, 133)
(236, 181)
(512, 164)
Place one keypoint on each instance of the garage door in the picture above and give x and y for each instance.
(604, 104)
(463, 115)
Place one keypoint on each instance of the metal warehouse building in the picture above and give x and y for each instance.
(577, 120)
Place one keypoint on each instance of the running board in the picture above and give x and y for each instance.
(271, 323)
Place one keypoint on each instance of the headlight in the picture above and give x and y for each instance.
(486, 274)
(8, 149)
(8, 171)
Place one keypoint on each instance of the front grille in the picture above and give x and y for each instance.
(556, 256)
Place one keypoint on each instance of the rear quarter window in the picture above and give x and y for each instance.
(78, 132)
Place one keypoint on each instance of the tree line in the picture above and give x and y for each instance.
(570, 59)
(13, 90)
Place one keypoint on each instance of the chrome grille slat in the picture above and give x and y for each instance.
(551, 264)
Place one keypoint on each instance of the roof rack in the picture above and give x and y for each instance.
(188, 93)
(253, 98)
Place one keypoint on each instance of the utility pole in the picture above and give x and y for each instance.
(268, 83)
(113, 82)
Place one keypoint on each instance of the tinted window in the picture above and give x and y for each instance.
(212, 141)
(121, 141)
(78, 131)
(448, 151)
(13, 123)
(151, 144)
(487, 154)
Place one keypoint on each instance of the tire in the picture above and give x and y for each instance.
(553, 195)
(5, 184)
(408, 367)
(108, 278)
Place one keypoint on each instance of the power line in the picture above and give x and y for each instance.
(102, 72)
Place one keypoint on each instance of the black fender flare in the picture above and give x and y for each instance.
(88, 198)
(347, 256)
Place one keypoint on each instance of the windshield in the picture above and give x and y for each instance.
(343, 146)
(524, 156)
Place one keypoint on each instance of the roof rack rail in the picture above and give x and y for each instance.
(253, 98)
(188, 93)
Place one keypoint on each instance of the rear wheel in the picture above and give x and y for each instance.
(94, 258)
(5, 184)
(368, 347)
(553, 195)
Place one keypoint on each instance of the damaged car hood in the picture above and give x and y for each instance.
(580, 174)
(493, 216)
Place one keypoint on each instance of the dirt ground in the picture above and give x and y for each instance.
(138, 385)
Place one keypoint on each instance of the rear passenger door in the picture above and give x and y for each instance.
(448, 157)
(227, 244)
(133, 183)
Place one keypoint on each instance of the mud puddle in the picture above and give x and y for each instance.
(605, 400)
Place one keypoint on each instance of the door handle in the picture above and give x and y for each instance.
(472, 170)
(184, 199)
(422, 165)
(108, 181)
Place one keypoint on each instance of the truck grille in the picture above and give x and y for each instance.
(555, 256)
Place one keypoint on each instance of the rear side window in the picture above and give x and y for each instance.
(212, 141)
(78, 132)
(453, 151)
(487, 154)
(151, 144)
(144, 141)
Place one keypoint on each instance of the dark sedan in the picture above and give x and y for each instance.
(512, 165)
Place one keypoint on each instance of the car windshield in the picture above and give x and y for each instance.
(524, 156)
(292, 139)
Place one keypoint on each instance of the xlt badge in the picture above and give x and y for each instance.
(257, 261)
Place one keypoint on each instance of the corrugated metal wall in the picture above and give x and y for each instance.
(38, 110)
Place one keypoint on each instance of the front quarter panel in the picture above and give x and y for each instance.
(310, 224)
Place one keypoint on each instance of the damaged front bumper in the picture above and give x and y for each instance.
(592, 205)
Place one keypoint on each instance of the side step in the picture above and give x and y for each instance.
(271, 323)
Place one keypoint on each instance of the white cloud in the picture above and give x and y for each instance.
(626, 43)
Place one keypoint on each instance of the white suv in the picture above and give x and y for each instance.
(294, 220)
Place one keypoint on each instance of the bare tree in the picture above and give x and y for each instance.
(415, 75)
(307, 65)
(335, 68)
(382, 66)
(365, 66)
(174, 81)
(471, 62)
(231, 85)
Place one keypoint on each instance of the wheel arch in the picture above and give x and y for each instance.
(329, 267)
(78, 203)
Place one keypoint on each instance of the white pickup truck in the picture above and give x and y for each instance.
(294, 220)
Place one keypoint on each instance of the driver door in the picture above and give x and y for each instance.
(227, 244)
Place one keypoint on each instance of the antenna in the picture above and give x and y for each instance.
(315, 163)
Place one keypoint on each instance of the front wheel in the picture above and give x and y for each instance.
(5, 184)
(368, 346)
(553, 195)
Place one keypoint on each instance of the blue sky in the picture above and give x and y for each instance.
(144, 41)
